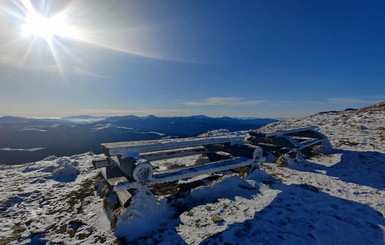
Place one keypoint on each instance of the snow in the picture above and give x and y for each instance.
(234, 201)
(39, 200)
(20, 149)
(143, 216)
(33, 129)
(334, 198)
(39, 128)
(99, 127)
(153, 132)
(223, 132)
(82, 119)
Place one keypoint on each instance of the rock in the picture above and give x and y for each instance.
(309, 187)
(284, 160)
(83, 232)
(362, 127)
(73, 226)
(216, 218)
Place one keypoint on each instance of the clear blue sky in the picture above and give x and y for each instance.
(176, 58)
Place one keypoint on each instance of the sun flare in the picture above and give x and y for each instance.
(37, 24)
(46, 28)
(65, 37)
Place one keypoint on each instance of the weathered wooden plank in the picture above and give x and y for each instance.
(160, 155)
(126, 165)
(244, 150)
(310, 143)
(125, 148)
(290, 139)
(289, 131)
(203, 169)
(308, 134)
(123, 196)
(192, 172)
(113, 175)
(275, 141)
(106, 147)
(101, 162)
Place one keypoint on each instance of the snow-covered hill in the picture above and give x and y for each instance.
(362, 130)
(337, 198)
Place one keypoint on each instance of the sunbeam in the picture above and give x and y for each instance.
(65, 31)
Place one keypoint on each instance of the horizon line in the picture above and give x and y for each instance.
(144, 116)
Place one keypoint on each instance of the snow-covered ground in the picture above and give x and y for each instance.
(50, 200)
(338, 198)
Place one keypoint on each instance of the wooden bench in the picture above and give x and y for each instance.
(127, 165)
(289, 142)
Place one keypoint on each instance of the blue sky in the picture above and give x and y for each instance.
(179, 58)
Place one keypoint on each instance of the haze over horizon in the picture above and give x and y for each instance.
(175, 58)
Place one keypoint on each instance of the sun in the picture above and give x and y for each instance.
(40, 26)
(47, 30)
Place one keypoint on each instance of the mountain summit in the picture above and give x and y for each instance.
(330, 199)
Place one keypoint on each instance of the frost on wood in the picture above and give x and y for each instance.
(142, 176)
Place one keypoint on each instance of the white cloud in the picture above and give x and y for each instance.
(221, 101)
(345, 101)
(99, 112)
(342, 100)
(122, 112)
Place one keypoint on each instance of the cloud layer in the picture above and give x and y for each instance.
(223, 101)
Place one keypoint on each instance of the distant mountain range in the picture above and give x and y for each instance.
(30, 139)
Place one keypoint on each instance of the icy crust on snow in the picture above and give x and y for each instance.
(52, 200)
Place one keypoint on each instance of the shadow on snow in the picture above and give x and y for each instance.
(300, 215)
(362, 168)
